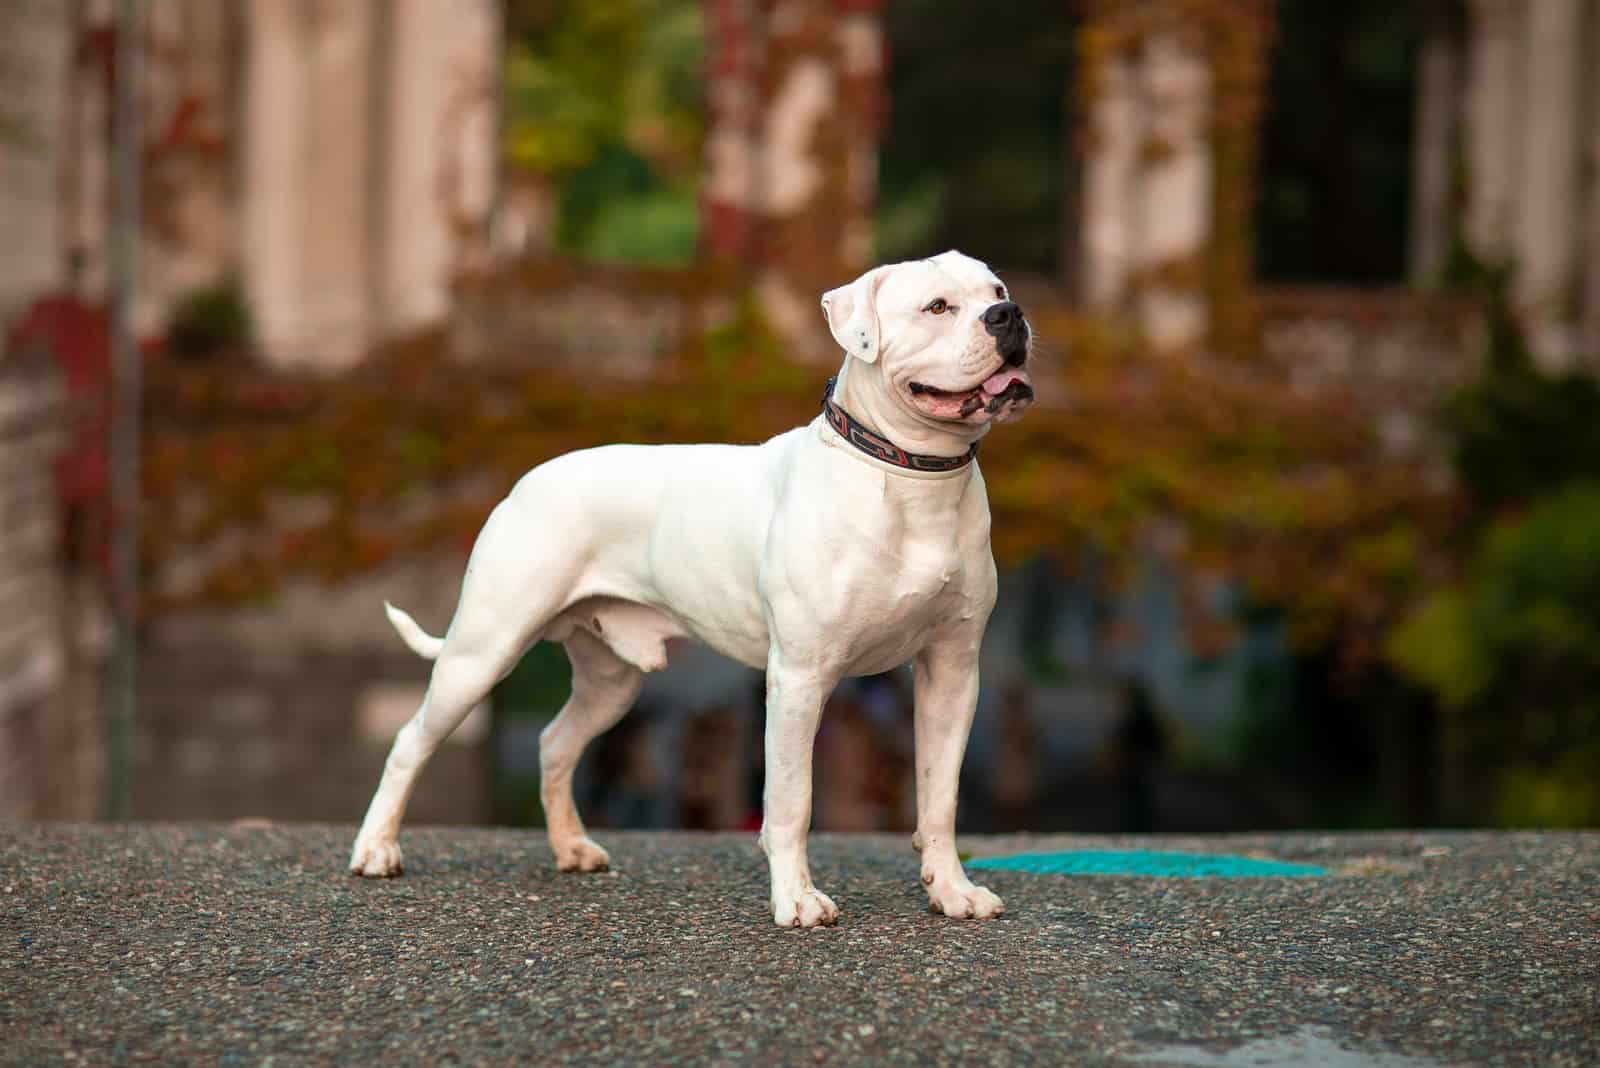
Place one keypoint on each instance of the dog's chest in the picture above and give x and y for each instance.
(899, 603)
(866, 568)
(926, 574)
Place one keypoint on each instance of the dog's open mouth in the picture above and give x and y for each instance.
(1006, 386)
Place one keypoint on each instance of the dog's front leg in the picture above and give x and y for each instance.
(794, 707)
(945, 682)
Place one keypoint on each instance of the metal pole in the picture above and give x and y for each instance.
(122, 682)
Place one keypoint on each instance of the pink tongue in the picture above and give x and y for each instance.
(996, 383)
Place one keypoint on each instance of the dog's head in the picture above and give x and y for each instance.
(949, 346)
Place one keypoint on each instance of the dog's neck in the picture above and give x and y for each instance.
(861, 391)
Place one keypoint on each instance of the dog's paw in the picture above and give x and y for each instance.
(376, 860)
(804, 908)
(960, 900)
(582, 854)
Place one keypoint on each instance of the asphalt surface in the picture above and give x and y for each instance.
(235, 945)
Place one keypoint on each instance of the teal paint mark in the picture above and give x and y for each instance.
(1149, 865)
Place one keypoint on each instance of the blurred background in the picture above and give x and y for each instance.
(1304, 530)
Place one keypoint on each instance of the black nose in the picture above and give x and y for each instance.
(1005, 324)
(1000, 316)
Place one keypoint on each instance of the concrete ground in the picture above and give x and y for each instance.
(235, 944)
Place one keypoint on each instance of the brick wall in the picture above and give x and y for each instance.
(620, 322)
(50, 737)
(1396, 353)
(286, 710)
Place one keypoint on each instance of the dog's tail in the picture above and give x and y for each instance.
(421, 642)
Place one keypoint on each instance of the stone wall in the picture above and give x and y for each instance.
(50, 737)
(606, 321)
(794, 94)
(278, 711)
(242, 730)
(285, 711)
(33, 63)
(1170, 93)
(367, 151)
(337, 157)
(1395, 353)
(1530, 140)
(281, 702)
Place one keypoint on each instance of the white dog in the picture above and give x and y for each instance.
(845, 547)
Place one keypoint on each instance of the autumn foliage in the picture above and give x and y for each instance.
(254, 479)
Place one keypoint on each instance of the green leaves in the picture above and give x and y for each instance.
(604, 98)
(1528, 610)
(1438, 649)
(565, 82)
(1513, 651)
(1536, 583)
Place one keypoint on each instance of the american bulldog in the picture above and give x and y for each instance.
(846, 547)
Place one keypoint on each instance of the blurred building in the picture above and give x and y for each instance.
(334, 158)
(51, 755)
(339, 158)
(1506, 96)
(1505, 157)
(338, 163)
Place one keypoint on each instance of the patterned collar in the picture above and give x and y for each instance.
(883, 449)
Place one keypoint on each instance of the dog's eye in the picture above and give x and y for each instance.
(1000, 292)
(938, 307)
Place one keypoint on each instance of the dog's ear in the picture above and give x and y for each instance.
(852, 314)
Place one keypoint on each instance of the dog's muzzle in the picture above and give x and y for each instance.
(1005, 324)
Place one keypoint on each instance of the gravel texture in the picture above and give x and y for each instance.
(231, 944)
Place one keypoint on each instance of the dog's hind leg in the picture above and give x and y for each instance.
(461, 679)
(603, 689)
(499, 616)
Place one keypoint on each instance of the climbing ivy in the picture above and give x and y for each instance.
(1235, 36)
(254, 479)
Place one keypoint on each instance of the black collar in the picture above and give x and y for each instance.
(883, 449)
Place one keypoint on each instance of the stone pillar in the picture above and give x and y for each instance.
(34, 77)
(1115, 134)
(861, 54)
(735, 47)
(336, 264)
(801, 173)
(1546, 237)
(1590, 348)
(371, 152)
(277, 146)
(1495, 114)
(1241, 34)
(1439, 82)
(817, 160)
(49, 744)
(190, 202)
(1172, 97)
(437, 94)
(1175, 190)
(795, 101)
(86, 155)
(308, 179)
